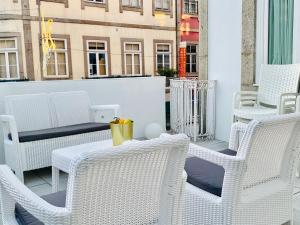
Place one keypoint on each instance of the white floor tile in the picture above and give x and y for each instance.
(43, 189)
(213, 145)
(31, 179)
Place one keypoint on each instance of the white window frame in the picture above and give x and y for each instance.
(262, 36)
(94, 1)
(6, 51)
(296, 52)
(190, 55)
(162, 4)
(96, 51)
(132, 58)
(55, 60)
(163, 53)
(131, 5)
(190, 3)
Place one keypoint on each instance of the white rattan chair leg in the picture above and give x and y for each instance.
(55, 179)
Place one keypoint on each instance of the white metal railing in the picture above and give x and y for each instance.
(193, 108)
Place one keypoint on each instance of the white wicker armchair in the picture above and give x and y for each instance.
(277, 92)
(133, 184)
(36, 114)
(257, 185)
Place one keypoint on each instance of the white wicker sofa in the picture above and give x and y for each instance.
(138, 183)
(253, 186)
(36, 124)
(277, 92)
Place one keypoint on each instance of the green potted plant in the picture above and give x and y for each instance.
(169, 73)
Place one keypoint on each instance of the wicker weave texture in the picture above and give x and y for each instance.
(42, 111)
(259, 180)
(134, 184)
(277, 92)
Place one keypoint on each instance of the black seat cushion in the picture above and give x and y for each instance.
(28, 136)
(25, 218)
(206, 175)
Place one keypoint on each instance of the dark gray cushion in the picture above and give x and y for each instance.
(28, 136)
(25, 218)
(206, 175)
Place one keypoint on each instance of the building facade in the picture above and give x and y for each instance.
(93, 38)
(189, 33)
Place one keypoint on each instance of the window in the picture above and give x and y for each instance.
(191, 58)
(57, 66)
(163, 56)
(132, 3)
(96, 1)
(162, 5)
(9, 62)
(190, 7)
(97, 58)
(133, 58)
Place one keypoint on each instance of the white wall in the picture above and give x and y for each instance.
(224, 57)
(297, 32)
(141, 99)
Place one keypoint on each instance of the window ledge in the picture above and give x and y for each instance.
(161, 11)
(94, 4)
(115, 76)
(131, 8)
(56, 78)
(66, 2)
(195, 15)
(12, 80)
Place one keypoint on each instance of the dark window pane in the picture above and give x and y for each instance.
(159, 59)
(194, 59)
(167, 59)
(194, 68)
(93, 58)
(193, 49)
(159, 66)
(188, 66)
(188, 59)
(188, 49)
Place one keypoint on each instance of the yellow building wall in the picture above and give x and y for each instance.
(15, 26)
(77, 31)
(10, 7)
(74, 11)
(117, 25)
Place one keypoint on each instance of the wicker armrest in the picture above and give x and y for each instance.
(237, 131)
(12, 191)
(244, 98)
(287, 103)
(9, 127)
(114, 108)
(227, 162)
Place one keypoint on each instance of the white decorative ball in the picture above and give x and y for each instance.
(153, 130)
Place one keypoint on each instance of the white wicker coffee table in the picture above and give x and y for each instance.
(62, 158)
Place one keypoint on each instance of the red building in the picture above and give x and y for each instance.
(189, 33)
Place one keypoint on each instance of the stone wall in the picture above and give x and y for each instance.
(203, 37)
(248, 44)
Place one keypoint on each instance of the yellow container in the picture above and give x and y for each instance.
(121, 132)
